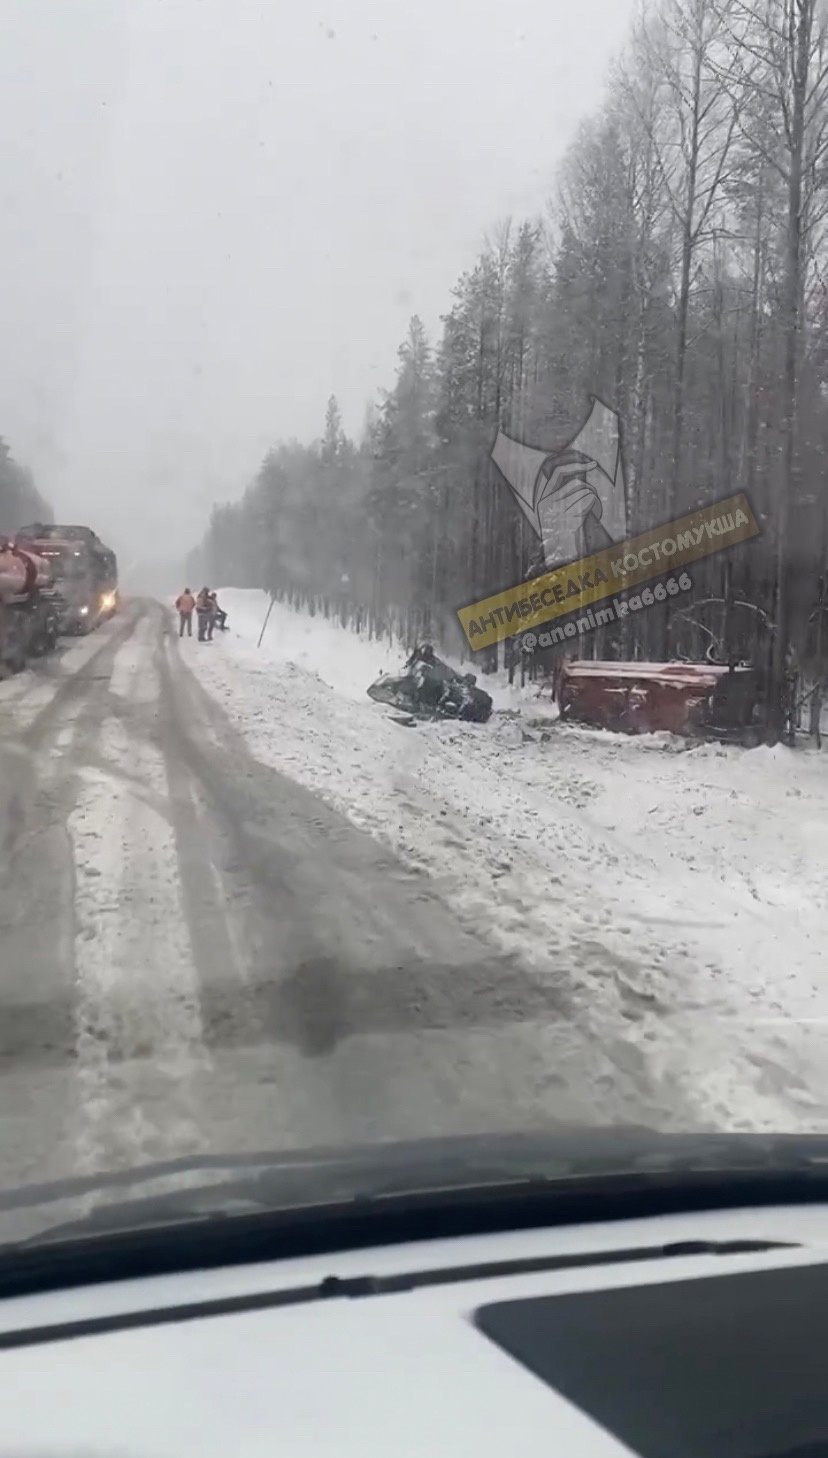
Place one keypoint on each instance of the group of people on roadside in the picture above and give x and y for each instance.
(207, 611)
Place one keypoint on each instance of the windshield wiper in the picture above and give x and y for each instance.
(359, 1287)
(170, 1236)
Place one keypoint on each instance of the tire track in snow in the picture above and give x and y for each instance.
(140, 1042)
(32, 702)
(52, 723)
(99, 1022)
(36, 966)
(407, 1021)
(139, 1038)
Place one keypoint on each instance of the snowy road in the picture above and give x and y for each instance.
(671, 896)
(199, 953)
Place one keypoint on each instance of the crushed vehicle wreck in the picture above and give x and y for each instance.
(428, 688)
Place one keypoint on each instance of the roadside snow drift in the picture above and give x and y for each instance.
(679, 889)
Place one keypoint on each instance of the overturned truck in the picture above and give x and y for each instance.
(428, 688)
(695, 699)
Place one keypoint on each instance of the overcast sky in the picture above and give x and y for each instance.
(216, 213)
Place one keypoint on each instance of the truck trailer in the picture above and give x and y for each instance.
(29, 606)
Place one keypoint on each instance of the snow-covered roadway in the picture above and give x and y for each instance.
(673, 898)
(242, 909)
(198, 952)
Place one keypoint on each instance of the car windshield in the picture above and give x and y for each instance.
(429, 404)
(63, 561)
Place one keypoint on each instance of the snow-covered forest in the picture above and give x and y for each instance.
(20, 501)
(679, 275)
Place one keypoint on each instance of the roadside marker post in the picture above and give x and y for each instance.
(265, 623)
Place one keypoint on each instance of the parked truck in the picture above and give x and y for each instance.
(29, 606)
(85, 572)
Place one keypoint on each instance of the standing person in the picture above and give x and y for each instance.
(204, 611)
(185, 605)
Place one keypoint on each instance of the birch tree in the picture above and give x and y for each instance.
(20, 501)
(683, 44)
(779, 79)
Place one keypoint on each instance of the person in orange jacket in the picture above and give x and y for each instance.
(185, 605)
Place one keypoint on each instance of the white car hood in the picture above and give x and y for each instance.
(398, 1374)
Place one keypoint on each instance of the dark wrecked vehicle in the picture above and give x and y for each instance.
(428, 689)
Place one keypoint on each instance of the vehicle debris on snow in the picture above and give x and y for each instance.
(428, 688)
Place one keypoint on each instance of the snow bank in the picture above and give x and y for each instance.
(678, 892)
(344, 660)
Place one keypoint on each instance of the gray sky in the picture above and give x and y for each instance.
(216, 213)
